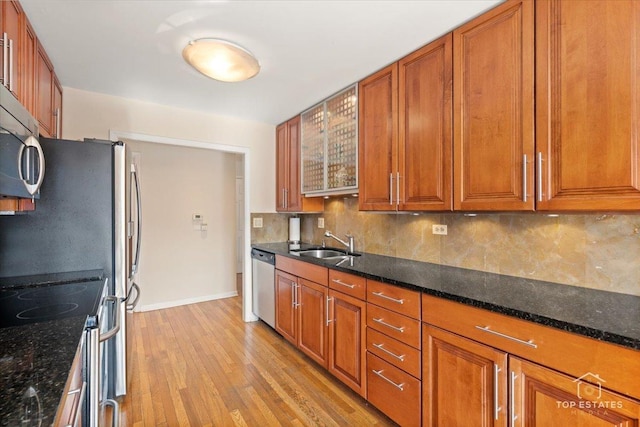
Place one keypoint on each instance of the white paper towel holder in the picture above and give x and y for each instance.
(294, 230)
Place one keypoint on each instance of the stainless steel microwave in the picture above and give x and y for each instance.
(21, 157)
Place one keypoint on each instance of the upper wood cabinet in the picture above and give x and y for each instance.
(11, 36)
(57, 108)
(494, 109)
(588, 104)
(44, 89)
(288, 196)
(378, 139)
(406, 131)
(28, 72)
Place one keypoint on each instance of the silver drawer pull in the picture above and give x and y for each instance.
(382, 322)
(379, 373)
(381, 295)
(340, 282)
(381, 347)
(500, 334)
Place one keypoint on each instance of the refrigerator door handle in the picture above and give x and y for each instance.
(134, 174)
(131, 305)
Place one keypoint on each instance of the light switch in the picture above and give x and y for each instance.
(257, 222)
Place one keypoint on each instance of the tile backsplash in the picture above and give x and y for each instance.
(600, 251)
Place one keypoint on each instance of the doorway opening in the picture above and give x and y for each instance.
(242, 213)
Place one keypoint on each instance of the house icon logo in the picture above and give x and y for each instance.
(589, 386)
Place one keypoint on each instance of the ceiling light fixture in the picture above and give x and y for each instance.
(221, 60)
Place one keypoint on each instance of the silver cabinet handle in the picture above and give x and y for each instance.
(340, 282)
(391, 189)
(286, 198)
(514, 416)
(509, 337)
(283, 198)
(5, 59)
(381, 295)
(116, 324)
(496, 407)
(10, 76)
(539, 167)
(293, 295)
(381, 347)
(524, 178)
(327, 311)
(397, 188)
(379, 373)
(382, 322)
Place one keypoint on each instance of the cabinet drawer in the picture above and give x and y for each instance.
(308, 271)
(570, 353)
(393, 391)
(349, 284)
(395, 298)
(394, 325)
(393, 351)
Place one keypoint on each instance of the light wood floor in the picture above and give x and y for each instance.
(200, 365)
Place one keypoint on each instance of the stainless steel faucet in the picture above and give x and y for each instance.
(350, 244)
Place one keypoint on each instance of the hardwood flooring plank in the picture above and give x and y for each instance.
(201, 365)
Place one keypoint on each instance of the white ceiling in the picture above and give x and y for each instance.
(307, 49)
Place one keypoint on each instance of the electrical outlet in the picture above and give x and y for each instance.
(320, 222)
(257, 222)
(439, 229)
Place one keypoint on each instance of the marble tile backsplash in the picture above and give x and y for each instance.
(600, 251)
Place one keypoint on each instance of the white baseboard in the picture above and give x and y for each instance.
(169, 304)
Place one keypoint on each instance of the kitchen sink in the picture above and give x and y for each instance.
(323, 253)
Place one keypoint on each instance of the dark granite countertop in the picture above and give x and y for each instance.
(36, 354)
(605, 316)
(36, 358)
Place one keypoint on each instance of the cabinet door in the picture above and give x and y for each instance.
(12, 24)
(57, 108)
(313, 339)
(294, 202)
(588, 103)
(494, 110)
(282, 162)
(28, 69)
(378, 140)
(347, 344)
(542, 397)
(44, 91)
(288, 192)
(465, 383)
(425, 127)
(286, 318)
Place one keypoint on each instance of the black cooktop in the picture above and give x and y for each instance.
(33, 299)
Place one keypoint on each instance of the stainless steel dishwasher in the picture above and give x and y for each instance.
(264, 301)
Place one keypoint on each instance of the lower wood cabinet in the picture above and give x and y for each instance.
(465, 383)
(301, 315)
(347, 332)
(543, 397)
(525, 375)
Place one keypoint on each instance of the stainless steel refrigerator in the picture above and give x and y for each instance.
(87, 217)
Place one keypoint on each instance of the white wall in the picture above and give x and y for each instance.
(178, 263)
(93, 115)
